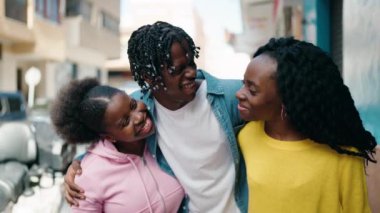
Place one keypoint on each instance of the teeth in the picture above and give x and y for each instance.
(188, 85)
(143, 129)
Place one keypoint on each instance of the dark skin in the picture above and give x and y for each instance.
(259, 99)
(181, 89)
(127, 125)
(181, 84)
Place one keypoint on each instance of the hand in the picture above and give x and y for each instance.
(73, 191)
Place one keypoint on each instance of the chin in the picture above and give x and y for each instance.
(151, 132)
(248, 118)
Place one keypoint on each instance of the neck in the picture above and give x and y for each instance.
(282, 130)
(171, 103)
(136, 147)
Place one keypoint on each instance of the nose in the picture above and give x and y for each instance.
(240, 94)
(191, 70)
(190, 73)
(137, 117)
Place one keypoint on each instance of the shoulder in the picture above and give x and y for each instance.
(136, 94)
(229, 84)
(91, 168)
(251, 127)
(226, 87)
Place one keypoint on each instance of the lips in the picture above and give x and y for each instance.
(147, 127)
(241, 108)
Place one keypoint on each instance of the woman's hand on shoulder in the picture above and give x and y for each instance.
(73, 191)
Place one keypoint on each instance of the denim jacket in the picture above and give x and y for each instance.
(221, 96)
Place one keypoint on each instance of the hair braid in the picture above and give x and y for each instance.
(316, 100)
(149, 51)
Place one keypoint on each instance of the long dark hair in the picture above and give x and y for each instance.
(317, 102)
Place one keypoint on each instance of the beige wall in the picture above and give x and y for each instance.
(49, 43)
(112, 7)
(84, 36)
(8, 72)
(99, 39)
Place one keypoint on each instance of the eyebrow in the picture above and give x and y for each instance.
(252, 83)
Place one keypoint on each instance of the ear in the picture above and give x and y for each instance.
(147, 79)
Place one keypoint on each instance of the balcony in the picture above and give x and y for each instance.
(81, 34)
(14, 22)
(48, 42)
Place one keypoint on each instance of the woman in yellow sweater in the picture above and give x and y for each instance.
(305, 146)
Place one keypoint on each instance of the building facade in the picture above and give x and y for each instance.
(64, 39)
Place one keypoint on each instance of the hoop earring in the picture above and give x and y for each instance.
(283, 112)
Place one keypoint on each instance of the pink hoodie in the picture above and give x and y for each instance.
(117, 182)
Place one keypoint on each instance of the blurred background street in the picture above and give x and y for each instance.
(46, 43)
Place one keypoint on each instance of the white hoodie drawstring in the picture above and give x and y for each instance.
(142, 182)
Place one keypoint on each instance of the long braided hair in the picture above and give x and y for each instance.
(316, 101)
(149, 52)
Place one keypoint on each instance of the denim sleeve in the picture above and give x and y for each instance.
(80, 157)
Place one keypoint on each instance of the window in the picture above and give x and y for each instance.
(79, 7)
(85, 10)
(15, 104)
(72, 7)
(109, 22)
(16, 9)
(1, 107)
(48, 9)
(52, 10)
(39, 7)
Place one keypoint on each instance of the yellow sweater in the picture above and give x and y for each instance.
(300, 176)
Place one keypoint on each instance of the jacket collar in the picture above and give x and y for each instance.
(213, 84)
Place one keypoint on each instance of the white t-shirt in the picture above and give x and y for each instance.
(196, 148)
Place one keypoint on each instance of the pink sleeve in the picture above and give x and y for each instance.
(87, 206)
(91, 186)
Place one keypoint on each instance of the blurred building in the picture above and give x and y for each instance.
(64, 39)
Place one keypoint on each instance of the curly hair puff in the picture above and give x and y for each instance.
(78, 111)
(149, 51)
(316, 101)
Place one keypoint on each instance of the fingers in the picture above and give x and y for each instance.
(76, 167)
(70, 185)
(73, 191)
(69, 199)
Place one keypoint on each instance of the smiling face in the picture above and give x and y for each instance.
(179, 79)
(258, 98)
(127, 120)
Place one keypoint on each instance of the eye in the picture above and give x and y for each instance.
(252, 92)
(174, 71)
(250, 88)
(124, 122)
(133, 104)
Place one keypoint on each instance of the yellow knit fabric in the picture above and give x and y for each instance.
(300, 176)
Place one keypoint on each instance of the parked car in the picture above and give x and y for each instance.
(12, 106)
(30, 151)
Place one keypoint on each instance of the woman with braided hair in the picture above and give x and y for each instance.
(305, 146)
(120, 174)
